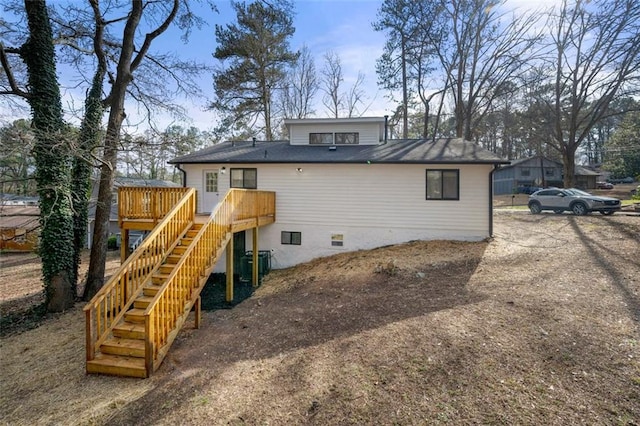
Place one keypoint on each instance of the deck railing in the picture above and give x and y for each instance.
(116, 296)
(147, 203)
(164, 315)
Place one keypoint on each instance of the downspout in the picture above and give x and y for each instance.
(495, 167)
(184, 175)
(386, 126)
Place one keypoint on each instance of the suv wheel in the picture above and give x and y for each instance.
(535, 208)
(579, 209)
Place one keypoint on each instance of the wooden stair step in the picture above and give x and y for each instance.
(129, 330)
(166, 268)
(192, 233)
(158, 278)
(123, 347)
(179, 250)
(134, 315)
(150, 290)
(116, 365)
(142, 302)
(173, 259)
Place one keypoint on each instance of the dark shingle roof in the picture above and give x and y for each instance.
(417, 151)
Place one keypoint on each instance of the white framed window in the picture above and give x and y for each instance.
(211, 182)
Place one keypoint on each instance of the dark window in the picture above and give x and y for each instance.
(347, 138)
(443, 184)
(320, 138)
(292, 238)
(244, 178)
(525, 172)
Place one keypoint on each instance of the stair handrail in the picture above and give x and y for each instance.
(113, 299)
(162, 314)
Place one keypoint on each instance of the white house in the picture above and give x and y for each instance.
(341, 186)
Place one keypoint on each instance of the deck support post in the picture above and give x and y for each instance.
(254, 269)
(198, 312)
(124, 244)
(229, 274)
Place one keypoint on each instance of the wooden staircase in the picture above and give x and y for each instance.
(133, 320)
(123, 353)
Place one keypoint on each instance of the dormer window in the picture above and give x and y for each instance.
(320, 138)
(338, 138)
(347, 138)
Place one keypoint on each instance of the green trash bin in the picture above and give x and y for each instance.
(264, 264)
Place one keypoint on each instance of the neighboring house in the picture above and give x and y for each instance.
(530, 172)
(341, 186)
(114, 228)
(19, 226)
(18, 200)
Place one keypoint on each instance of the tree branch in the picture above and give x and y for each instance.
(15, 90)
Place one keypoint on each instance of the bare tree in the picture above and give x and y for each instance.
(478, 52)
(300, 87)
(355, 96)
(130, 59)
(330, 83)
(595, 59)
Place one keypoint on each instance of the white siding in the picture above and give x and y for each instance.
(369, 133)
(371, 205)
(195, 179)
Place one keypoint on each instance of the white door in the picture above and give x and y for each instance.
(210, 194)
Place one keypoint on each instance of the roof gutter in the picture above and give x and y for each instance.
(184, 175)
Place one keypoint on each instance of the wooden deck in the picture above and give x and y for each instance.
(133, 320)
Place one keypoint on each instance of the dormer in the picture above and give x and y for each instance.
(336, 131)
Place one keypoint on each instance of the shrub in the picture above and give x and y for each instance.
(112, 243)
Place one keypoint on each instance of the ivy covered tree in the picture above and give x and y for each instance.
(254, 56)
(51, 153)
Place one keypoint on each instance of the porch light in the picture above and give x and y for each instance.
(299, 169)
(223, 170)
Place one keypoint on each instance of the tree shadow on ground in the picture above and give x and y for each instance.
(312, 311)
(600, 252)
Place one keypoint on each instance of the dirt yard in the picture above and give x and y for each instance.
(541, 325)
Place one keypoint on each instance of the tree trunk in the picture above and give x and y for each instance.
(568, 159)
(405, 95)
(95, 277)
(88, 140)
(52, 160)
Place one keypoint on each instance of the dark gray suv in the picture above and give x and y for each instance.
(575, 200)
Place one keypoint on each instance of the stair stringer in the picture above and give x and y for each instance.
(202, 280)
